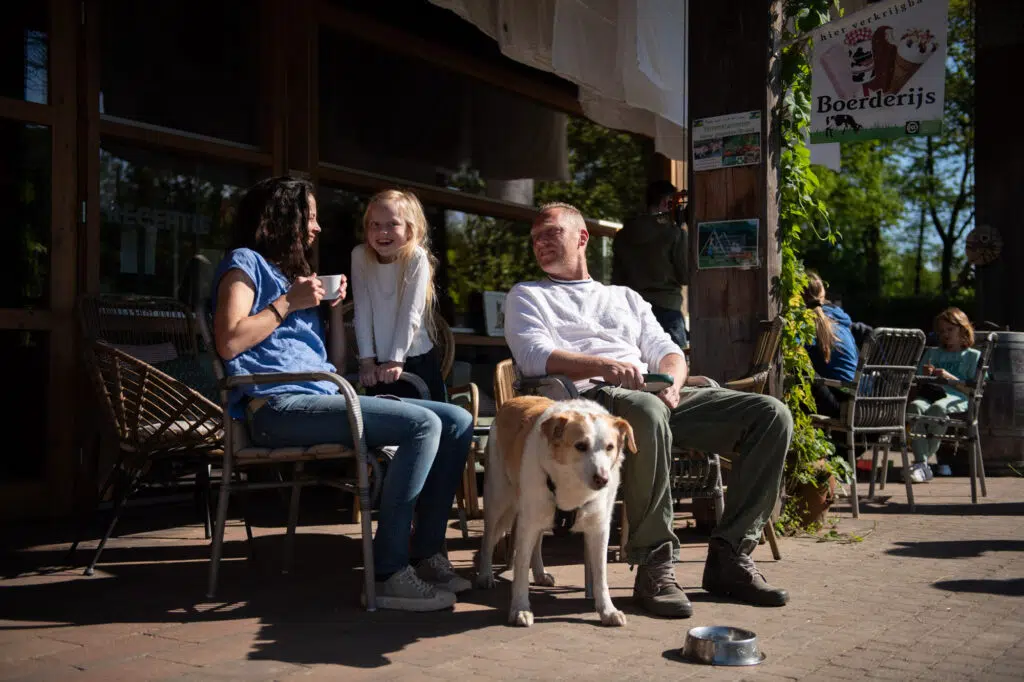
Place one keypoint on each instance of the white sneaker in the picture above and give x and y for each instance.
(917, 473)
(438, 571)
(405, 591)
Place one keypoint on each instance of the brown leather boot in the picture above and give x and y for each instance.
(728, 573)
(655, 588)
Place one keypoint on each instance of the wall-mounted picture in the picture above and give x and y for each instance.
(494, 312)
(727, 244)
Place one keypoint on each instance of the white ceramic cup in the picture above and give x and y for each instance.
(330, 284)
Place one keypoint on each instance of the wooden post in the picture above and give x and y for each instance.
(999, 172)
(733, 68)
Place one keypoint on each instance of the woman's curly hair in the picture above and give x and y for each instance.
(273, 220)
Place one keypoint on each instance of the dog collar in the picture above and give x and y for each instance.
(564, 520)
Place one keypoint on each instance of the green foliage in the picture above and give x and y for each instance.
(800, 206)
(607, 171)
(864, 202)
(487, 254)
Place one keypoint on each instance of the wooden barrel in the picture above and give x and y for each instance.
(1002, 412)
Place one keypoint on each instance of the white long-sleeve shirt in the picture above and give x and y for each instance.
(585, 317)
(390, 306)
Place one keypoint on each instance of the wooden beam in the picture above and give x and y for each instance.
(448, 198)
(726, 304)
(30, 112)
(397, 41)
(999, 173)
(89, 148)
(181, 141)
(60, 469)
(273, 56)
(13, 318)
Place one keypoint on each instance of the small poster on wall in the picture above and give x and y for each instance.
(494, 312)
(727, 244)
(727, 141)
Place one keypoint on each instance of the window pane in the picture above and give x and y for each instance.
(189, 64)
(24, 421)
(24, 51)
(25, 196)
(158, 211)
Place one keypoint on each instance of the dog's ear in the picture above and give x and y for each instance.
(554, 427)
(625, 434)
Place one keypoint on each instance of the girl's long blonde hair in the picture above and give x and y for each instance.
(957, 318)
(814, 296)
(406, 205)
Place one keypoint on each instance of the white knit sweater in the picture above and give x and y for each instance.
(390, 306)
(586, 317)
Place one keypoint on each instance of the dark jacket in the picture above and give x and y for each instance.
(651, 256)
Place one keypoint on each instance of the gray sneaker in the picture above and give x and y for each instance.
(405, 591)
(655, 588)
(438, 571)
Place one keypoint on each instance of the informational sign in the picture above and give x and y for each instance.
(494, 312)
(727, 244)
(727, 141)
(880, 73)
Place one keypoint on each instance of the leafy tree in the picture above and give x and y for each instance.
(940, 172)
(864, 204)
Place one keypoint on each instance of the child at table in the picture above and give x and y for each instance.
(393, 288)
(954, 359)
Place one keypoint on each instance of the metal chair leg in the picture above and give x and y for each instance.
(203, 481)
(87, 521)
(218, 527)
(852, 455)
(981, 462)
(118, 508)
(874, 471)
(293, 516)
(906, 472)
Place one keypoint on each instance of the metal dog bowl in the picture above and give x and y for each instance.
(722, 645)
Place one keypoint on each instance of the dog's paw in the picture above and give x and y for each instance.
(613, 619)
(485, 581)
(523, 619)
(544, 580)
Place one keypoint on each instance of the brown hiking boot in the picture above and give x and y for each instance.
(655, 588)
(729, 573)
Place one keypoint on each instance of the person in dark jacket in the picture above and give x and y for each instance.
(833, 351)
(651, 257)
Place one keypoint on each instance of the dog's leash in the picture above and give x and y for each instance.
(564, 520)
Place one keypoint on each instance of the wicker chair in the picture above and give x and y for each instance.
(143, 361)
(240, 455)
(877, 404)
(962, 427)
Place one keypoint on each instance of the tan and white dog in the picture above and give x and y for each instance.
(541, 455)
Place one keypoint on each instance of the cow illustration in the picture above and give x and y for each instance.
(844, 121)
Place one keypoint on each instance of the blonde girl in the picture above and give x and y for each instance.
(833, 351)
(393, 288)
(954, 359)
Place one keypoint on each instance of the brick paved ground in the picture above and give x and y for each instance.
(936, 595)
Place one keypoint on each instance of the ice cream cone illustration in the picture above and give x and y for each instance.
(862, 61)
(837, 67)
(913, 50)
(883, 46)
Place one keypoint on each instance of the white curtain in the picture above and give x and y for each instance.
(628, 57)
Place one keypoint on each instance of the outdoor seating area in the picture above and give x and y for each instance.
(499, 340)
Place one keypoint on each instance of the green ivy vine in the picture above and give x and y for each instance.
(812, 456)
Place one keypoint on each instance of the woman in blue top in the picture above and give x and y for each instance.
(834, 350)
(266, 319)
(955, 359)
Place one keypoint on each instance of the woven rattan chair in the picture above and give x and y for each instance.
(962, 428)
(143, 361)
(877, 399)
(239, 454)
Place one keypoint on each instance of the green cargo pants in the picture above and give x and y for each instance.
(753, 430)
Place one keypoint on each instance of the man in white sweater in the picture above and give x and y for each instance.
(569, 324)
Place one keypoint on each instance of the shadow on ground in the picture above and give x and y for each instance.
(955, 549)
(1013, 587)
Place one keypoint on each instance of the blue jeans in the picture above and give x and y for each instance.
(673, 322)
(433, 442)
